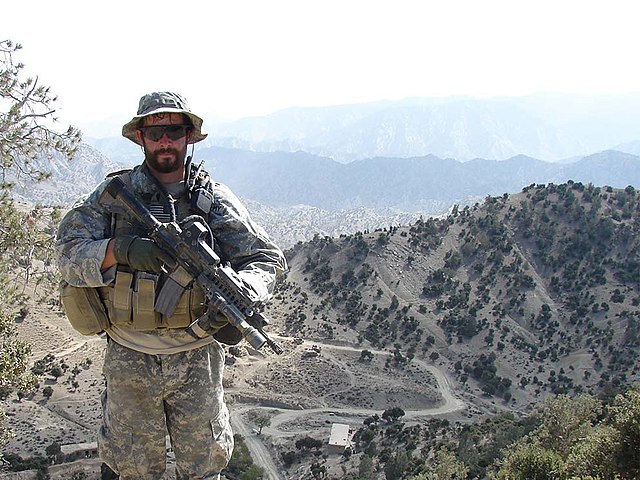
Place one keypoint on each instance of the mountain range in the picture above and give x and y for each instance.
(551, 127)
(316, 195)
(426, 184)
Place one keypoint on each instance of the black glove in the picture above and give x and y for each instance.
(229, 335)
(141, 254)
(222, 330)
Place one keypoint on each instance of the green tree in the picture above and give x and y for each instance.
(625, 418)
(397, 465)
(543, 454)
(445, 467)
(241, 465)
(566, 420)
(25, 136)
(595, 455)
(365, 356)
(393, 414)
(262, 421)
(25, 125)
(365, 468)
(531, 462)
(578, 438)
(53, 451)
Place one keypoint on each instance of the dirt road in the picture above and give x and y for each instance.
(289, 417)
(259, 452)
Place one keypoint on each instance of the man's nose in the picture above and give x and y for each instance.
(165, 140)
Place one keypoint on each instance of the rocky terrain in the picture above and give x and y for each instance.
(313, 384)
(306, 389)
(523, 296)
(484, 312)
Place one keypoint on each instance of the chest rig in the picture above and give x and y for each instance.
(131, 299)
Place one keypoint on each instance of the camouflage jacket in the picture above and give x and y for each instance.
(85, 230)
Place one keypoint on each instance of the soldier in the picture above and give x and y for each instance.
(159, 379)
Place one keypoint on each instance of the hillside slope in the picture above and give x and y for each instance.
(523, 296)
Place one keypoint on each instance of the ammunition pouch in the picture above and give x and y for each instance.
(130, 302)
(84, 309)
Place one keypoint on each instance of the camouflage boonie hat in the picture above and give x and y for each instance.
(163, 102)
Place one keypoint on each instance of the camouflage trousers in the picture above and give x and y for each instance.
(148, 396)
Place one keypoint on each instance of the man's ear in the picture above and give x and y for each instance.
(139, 136)
(189, 135)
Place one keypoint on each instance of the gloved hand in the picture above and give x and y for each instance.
(229, 335)
(140, 254)
(223, 331)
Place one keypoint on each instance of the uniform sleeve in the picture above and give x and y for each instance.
(81, 243)
(244, 244)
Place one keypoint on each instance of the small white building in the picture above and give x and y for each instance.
(340, 438)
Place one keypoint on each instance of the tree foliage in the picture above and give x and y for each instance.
(241, 465)
(393, 414)
(26, 137)
(26, 115)
(445, 467)
(262, 421)
(14, 353)
(578, 438)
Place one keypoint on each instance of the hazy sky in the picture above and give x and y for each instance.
(237, 58)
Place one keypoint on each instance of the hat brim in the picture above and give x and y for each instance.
(129, 129)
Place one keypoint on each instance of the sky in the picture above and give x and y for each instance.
(238, 58)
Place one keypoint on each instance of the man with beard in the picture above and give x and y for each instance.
(159, 379)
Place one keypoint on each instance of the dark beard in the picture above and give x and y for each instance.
(166, 166)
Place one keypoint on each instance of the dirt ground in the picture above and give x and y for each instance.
(304, 390)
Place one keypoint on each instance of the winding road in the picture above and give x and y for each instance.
(261, 454)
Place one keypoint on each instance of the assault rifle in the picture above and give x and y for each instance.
(195, 260)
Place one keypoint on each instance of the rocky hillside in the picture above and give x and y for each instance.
(69, 180)
(523, 296)
(288, 225)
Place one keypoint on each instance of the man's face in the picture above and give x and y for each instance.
(164, 154)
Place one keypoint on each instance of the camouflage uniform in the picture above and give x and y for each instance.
(147, 394)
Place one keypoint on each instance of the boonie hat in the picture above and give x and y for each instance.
(163, 102)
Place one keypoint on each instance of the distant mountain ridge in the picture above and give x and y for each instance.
(69, 180)
(553, 127)
(420, 184)
(315, 195)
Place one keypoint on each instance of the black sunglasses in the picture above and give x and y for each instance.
(156, 132)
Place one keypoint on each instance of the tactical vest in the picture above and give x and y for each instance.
(131, 298)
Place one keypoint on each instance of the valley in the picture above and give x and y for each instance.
(459, 322)
(312, 385)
